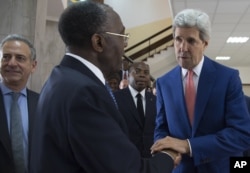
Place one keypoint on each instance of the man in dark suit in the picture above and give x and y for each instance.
(78, 126)
(141, 132)
(201, 110)
(18, 61)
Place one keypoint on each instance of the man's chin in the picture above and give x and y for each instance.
(12, 79)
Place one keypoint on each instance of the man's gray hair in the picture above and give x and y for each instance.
(16, 37)
(194, 18)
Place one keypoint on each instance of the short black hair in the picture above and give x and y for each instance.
(81, 20)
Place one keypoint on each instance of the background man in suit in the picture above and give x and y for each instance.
(141, 131)
(18, 61)
(78, 126)
(204, 132)
(113, 81)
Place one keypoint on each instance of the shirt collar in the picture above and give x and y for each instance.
(135, 92)
(196, 69)
(6, 90)
(90, 66)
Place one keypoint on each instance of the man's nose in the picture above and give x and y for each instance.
(12, 60)
(184, 46)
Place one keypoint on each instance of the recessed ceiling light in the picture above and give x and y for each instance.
(237, 39)
(222, 58)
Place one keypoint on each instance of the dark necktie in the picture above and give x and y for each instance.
(16, 133)
(190, 94)
(140, 107)
(111, 94)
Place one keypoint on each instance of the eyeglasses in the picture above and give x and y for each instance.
(125, 36)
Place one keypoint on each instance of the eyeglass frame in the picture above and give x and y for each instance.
(125, 36)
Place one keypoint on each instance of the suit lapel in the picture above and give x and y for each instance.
(206, 82)
(132, 107)
(178, 86)
(4, 132)
(31, 102)
(150, 108)
(32, 99)
(171, 87)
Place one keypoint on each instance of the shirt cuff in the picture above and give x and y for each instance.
(190, 149)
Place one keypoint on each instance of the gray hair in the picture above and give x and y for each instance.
(16, 37)
(194, 18)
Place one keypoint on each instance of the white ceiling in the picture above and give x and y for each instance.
(228, 18)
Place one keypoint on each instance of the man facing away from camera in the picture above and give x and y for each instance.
(78, 127)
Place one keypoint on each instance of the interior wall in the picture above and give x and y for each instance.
(140, 12)
(143, 31)
(246, 89)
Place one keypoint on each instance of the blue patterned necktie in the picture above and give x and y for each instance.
(16, 134)
(111, 94)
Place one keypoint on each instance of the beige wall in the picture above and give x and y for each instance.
(246, 89)
(48, 43)
(146, 30)
(18, 17)
(140, 33)
(30, 18)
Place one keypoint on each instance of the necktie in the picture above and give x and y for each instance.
(140, 107)
(190, 93)
(111, 94)
(16, 133)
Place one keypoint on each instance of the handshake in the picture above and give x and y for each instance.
(173, 147)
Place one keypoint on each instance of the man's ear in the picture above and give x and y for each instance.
(206, 43)
(97, 42)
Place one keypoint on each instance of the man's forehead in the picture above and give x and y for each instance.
(114, 21)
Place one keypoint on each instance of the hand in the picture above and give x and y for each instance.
(179, 145)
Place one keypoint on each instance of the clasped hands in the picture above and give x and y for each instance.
(172, 146)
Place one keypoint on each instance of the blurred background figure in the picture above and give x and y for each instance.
(124, 71)
(154, 88)
(123, 84)
(113, 81)
(124, 74)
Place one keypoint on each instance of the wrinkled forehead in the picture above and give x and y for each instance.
(141, 66)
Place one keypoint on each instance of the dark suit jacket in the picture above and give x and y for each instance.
(6, 158)
(221, 125)
(79, 129)
(247, 98)
(142, 135)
